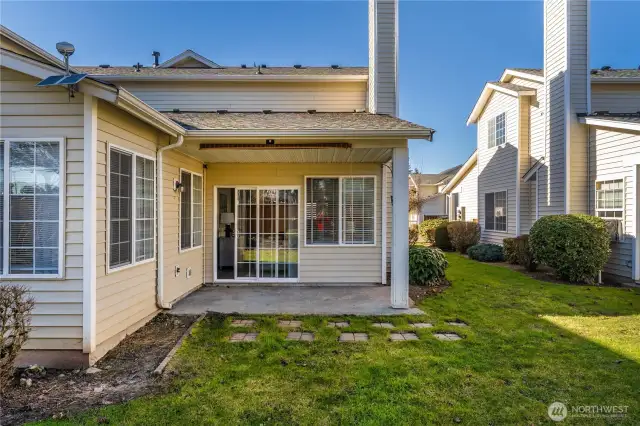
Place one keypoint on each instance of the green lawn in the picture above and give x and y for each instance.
(529, 343)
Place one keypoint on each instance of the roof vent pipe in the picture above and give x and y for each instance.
(156, 58)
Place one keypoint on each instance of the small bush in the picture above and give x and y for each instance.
(15, 319)
(510, 250)
(413, 235)
(463, 235)
(426, 266)
(442, 240)
(428, 229)
(524, 256)
(577, 246)
(486, 253)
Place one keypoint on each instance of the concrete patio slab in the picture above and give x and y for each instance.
(421, 325)
(243, 337)
(334, 300)
(447, 336)
(300, 336)
(383, 325)
(341, 324)
(398, 337)
(353, 337)
(242, 323)
(290, 324)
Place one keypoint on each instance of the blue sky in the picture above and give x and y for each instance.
(448, 49)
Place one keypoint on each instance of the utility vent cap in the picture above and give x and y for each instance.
(104, 65)
(267, 111)
(311, 111)
(243, 66)
(606, 68)
(222, 111)
(176, 110)
(335, 67)
(297, 66)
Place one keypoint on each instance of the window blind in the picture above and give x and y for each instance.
(322, 210)
(185, 210)
(358, 200)
(120, 171)
(145, 209)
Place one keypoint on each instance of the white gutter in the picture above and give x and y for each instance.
(614, 124)
(159, 195)
(218, 77)
(338, 133)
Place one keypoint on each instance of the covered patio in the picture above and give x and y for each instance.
(296, 300)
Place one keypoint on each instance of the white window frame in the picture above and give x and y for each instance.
(506, 210)
(181, 250)
(494, 119)
(134, 201)
(340, 208)
(4, 273)
(607, 178)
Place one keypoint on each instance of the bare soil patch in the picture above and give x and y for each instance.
(126, 373)
(418, 293)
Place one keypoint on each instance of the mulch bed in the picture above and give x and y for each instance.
(418, 293)
(126, 373)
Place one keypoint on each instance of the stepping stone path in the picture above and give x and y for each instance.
(421, 325)
(398, 337)
(340, 324)
(243, 337)
(300, 336)
(383, 325)
(242, 323)
(289, 324)
(353, 337)
(457, 323)
(447, 336)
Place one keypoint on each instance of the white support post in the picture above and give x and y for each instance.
(400, 230)
(89, 251)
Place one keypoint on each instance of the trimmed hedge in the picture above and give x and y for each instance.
(518, 252)
(442, 240)
(486, 253)
(576, 245)
(428, 229)
(426, 266)
(413, 235)
(463, 235)
(510, 250)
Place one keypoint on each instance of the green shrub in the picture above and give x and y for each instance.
(426, 266)
(463, 235)
(577, 246)
(486, 253)
(524, 256)
(510, 250)
(413, 235)
(442, 240)
(428, 229)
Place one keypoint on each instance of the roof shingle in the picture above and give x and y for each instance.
(595, 73)
(227, 71)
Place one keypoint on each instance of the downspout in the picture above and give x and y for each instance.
(159, 194)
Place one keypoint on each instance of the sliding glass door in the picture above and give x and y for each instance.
(267, 234)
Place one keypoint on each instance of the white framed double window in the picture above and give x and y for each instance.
(497, 130)
(131, 208)
(191, 210)
(31, 207)
(610, 199)
(340, 210)
(495, 211)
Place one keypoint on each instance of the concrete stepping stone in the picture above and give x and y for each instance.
(302, 336)
(398, 337)
(447, 336)
(289, 324)
(353, 337)
(338, 324)
(383, 325)
(242, 323)
(458, 323)
(421, 325)
(243, 337)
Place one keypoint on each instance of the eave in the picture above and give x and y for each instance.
(488, 90)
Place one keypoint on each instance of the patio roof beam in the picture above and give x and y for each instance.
(325, 145)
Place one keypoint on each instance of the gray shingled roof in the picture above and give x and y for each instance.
(434, 178)
(164, 72)
(511, 86)
(596, 73)
(291, 121)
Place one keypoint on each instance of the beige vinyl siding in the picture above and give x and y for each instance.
(251, 96)
(127, 296)
(608, 149)
(497, 166)
(524, 159)
(615, 97)
(468, 190)
(176, 286)
(27, 111)
(329, 264)
(555, 68)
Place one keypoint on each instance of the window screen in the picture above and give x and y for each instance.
(185, 210)
(145, 209)
(495, 208)
(191, 210)
(120, 183)
(497, 130)
(322, 210)
(358, 200)
(197, 210)
(610, 199)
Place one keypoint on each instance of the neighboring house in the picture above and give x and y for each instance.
(562, 139)
(429, 187)
(151, 181)
(462, 192)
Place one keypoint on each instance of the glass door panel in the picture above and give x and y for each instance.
(246, 233)
(288, 226)
(268, 233)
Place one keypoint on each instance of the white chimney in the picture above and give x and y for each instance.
(568, 92)
(383, 57)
